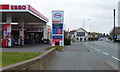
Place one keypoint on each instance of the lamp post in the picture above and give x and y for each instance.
(84, 22)
(114, 35)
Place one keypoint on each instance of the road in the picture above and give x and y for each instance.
(107, 51)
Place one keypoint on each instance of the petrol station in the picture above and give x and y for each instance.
(22, 24)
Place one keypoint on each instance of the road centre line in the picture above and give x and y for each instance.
(116, 58)
(105, 53)
(98, 50)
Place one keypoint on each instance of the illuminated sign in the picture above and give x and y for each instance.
(57, 26)
(57, 15)
(57, 37)
(18, 7)
(55, 21)
(56, 40)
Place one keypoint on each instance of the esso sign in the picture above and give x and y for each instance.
(57, 15)
(18, 7)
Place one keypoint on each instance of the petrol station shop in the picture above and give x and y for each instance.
(22, 24)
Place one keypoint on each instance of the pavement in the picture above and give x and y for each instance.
(77, 57)
(38, 48)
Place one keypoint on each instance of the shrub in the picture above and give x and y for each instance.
(67, 41)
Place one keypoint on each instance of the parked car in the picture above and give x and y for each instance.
(108, 40)
(46, 41)
(100, 39)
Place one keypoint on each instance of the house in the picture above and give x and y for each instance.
(81, 34)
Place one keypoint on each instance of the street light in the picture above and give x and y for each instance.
(84, 22)
(114, 35)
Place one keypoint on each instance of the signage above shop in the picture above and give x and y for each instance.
(35, 30)
(14, 7)
(18, 7)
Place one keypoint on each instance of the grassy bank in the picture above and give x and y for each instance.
(58, 48)
(8, 58)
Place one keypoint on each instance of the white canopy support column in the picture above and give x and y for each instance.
(21, 33)
(45, 32)
(9, 28)
(0, 31)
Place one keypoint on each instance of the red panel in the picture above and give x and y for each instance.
(53, 44)
(55, 21)
(56, 40)
(59, 32)
(4, 7)
(4, 42)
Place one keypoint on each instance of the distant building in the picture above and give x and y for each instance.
(117, 32)
(90, 36)
(72, 33)
(81, 34)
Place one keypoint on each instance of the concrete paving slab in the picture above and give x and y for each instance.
(38, 48)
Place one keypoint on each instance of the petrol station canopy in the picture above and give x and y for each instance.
(24, 12)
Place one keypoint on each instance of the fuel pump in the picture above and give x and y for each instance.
(6, 35)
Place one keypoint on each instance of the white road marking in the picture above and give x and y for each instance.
(116, 58)
(91, 46)
(94, 48)
(105, 53)
(98, 50)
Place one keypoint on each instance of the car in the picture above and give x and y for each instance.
(46, 41)
(100, 39)
(107, 40)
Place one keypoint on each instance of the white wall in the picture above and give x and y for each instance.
(119, 13)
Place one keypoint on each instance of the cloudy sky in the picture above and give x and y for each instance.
(100, 12)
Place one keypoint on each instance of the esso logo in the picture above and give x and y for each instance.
(57, 15)
(18, 7)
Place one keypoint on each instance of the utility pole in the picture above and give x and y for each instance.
(114, 34)
(84, 22)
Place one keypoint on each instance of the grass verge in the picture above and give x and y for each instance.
(8, 58)
(58, 48)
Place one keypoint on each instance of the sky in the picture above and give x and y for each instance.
(99, 12)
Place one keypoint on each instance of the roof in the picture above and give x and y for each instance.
(22, 8)
(73, 31)
(81, 29)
